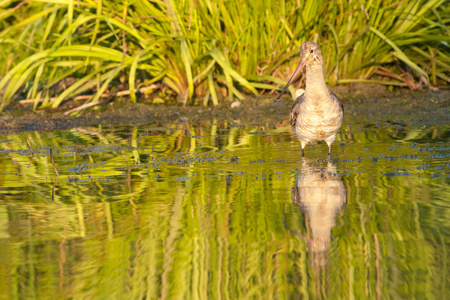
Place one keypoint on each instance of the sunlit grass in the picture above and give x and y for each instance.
(197, 49)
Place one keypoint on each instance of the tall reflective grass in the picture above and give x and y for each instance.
(198, 48)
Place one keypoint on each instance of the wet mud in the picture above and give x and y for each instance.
(366, 104)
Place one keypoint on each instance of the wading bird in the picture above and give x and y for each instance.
(317, 114)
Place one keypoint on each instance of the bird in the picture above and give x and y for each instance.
(317, 114)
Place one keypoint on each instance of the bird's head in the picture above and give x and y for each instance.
(311, 56)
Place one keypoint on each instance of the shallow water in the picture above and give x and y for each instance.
(225, 210)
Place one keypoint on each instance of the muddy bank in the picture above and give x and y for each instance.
(431, 107)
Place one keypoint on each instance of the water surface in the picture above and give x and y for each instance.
(211, 210)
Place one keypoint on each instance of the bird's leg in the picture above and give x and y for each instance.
(303, 147)
(329, 149)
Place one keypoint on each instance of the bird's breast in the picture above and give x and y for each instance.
(319, 121)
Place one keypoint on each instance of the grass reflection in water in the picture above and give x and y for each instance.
(214, 210)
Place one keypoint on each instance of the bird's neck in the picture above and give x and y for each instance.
(316, 87)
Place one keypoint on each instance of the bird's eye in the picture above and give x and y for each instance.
(312, 51)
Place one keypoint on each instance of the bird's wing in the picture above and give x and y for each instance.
(295, 110)
(340, 103)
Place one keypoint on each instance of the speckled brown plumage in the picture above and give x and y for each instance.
(317, 114)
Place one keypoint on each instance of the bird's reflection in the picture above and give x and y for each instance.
(321, 195)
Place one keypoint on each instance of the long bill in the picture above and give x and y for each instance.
(301, 65)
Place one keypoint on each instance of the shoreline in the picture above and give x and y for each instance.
(410, 106)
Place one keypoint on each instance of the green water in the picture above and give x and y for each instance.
(212, 210)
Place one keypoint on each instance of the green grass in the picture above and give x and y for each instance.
(194, 49)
